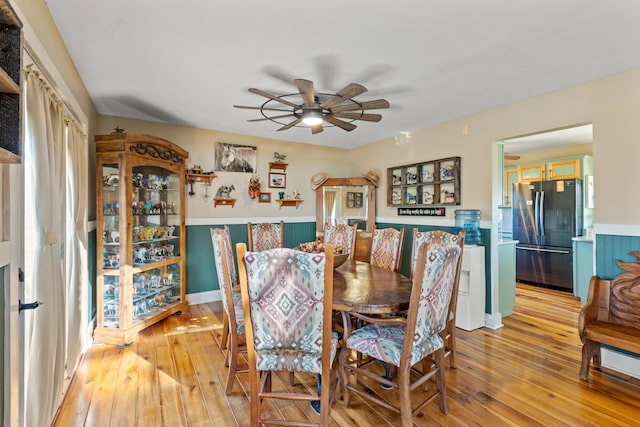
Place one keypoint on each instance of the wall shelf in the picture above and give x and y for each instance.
(281, 166)
(224, 201)
(289, 202)
(206, 178)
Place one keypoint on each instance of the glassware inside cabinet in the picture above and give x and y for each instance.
(111, 301)
(156, 215)
(110, 216)
(154, 290)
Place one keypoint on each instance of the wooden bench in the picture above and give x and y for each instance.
(611, 315)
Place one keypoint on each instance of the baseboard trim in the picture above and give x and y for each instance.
(204, 297)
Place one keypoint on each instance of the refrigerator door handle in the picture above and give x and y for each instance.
(541, 213)
(554, 251)
(536, 212)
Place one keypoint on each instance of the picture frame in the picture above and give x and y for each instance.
(277, 180)
(264, 198)
(235, 158)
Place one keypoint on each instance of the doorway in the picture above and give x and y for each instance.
(544, 156)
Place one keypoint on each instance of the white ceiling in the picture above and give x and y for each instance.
(189, 62)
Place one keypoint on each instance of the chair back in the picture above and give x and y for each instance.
(386, 248)
(225, 270)
(341, 235)
(265, 236)
(287, 299)
(433, 284)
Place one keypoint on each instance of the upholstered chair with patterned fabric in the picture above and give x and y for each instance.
(233, 321)
(386, 248)
(287, 298)
(405, 342)
(341, 235)
(446, 240)
(265, 236)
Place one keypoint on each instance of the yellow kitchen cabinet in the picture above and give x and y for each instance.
(535, 172)
(565, 169)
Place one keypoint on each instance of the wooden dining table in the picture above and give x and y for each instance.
(359, 287)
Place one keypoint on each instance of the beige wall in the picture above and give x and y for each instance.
(304, 161)
(612, 104)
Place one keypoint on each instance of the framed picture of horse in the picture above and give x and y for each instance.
(235, 158)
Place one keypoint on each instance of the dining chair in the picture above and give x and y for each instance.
(405, 342)
(287, 298)
(265, 236)
(446, 240)
(341, 235)
(233, 318)
(386, 248)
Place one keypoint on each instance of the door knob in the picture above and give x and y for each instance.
(28, 306)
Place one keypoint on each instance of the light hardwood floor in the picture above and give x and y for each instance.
(523, 374)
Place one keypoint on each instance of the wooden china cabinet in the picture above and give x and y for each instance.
(140, 234)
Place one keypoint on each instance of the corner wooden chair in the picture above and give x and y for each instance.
(233, 318)
(405, 342)
(446, 240)
(386, 248)
(287, 298)
(265, 236)
(341, 235)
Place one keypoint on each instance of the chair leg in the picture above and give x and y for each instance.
(452, 346)
(404, 385)
(292, 378)
(225, 331)
(232, 357)
(344, 375)
(440, 382)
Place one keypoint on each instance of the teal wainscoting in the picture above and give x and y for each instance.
(405, 267)
(201, 273)
(610, 248)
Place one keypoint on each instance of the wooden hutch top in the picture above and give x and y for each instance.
(141, 144)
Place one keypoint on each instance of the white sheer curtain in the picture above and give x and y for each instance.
(329, 202)
(76, 247)
(45, 340)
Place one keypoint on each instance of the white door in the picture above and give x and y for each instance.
(11, 263)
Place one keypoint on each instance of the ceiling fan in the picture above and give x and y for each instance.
(314, 109)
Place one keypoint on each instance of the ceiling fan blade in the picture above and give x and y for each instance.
(275, 98)
(359, 116)
(260, 108)
(290, 125)
(340, 123)
(367, 105)
(306, 91)
(348, 92)
(262, 119)
(316, 129)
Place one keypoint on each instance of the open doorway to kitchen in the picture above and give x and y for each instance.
(546, 208)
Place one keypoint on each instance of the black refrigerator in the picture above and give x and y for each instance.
(546, 216)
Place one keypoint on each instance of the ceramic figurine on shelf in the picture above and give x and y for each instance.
(296, 194)
(225, 190)
(279, 158)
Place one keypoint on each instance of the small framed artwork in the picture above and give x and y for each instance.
(447, 170)
(396, 177)
(412, 196)
(264, 198)
(277, 180)
(412, 175)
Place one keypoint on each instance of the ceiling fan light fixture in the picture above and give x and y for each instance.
(312, 117)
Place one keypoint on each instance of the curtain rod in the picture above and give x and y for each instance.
(45, 74)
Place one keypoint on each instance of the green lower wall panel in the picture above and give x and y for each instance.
(405, 267)
(201, 273)
(610, 248)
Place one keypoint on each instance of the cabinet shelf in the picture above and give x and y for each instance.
(141, 274)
